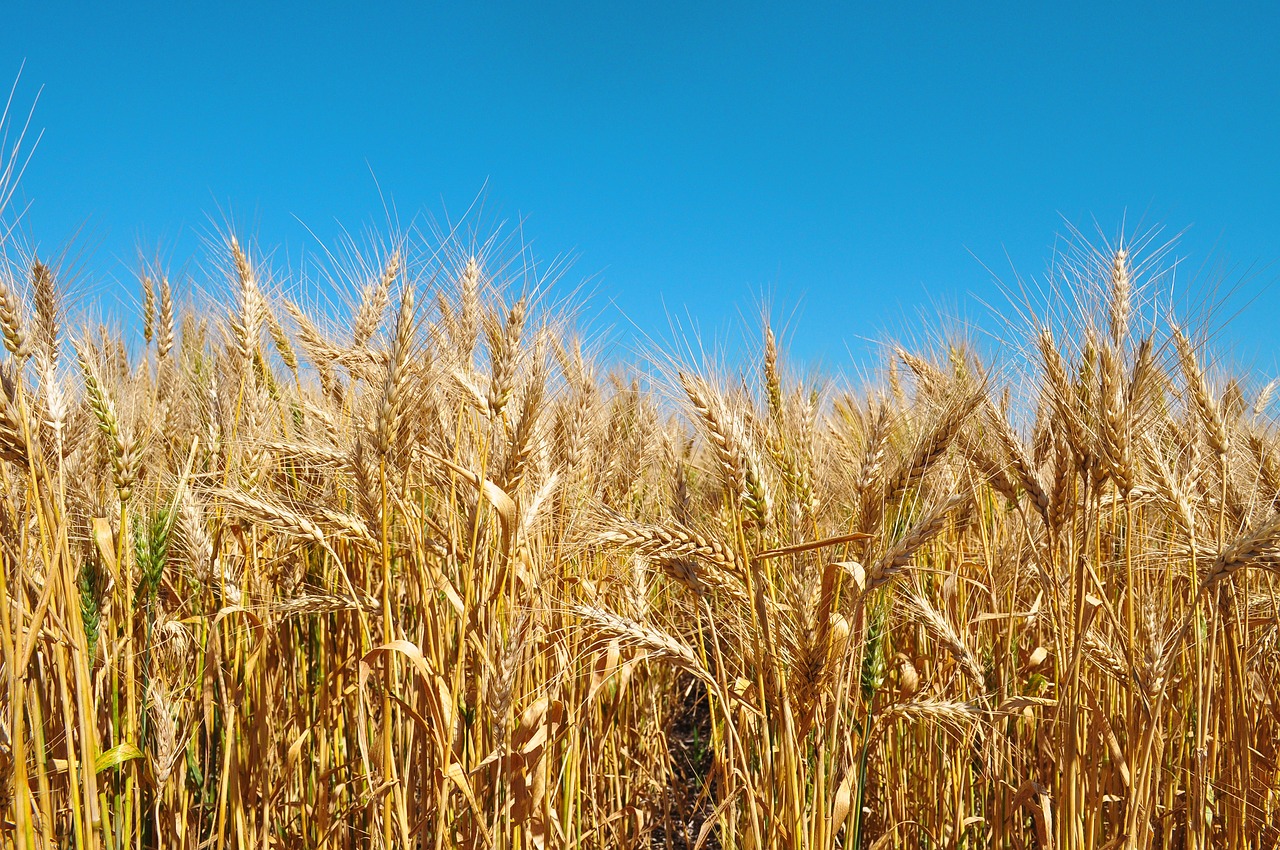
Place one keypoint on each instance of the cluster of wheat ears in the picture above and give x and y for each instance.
(430, 572)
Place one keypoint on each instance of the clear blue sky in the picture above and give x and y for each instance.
(849, 161)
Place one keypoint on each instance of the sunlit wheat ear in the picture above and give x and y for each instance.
(11, 318)
(994, 471)
(44, 292)
(272, 514)
(813, 644)
(671, 542)
(1263, 400)
(500, 678)
(575, 413)
(929, 377)
(788, 438)
(772, 381)
(54, 395)
(13, 442)
(246, 324)
(1232, 401)
(361, 465)
(1171, 488)
(1258, 548)
(949, 713)
(120, 450)
(211, 418)
(1115, 420)
(658, 644)
(195, 536)
(930, 449)
(148, 308)
(461, 314)
(253, 455)
(504, 348)
(165, 329)
(281, 340)
(802, 472)
(373, 303)
(1264, 453)
(1099, 651)
(469, 305)
(899, 556)
(878, 427)
(945, 634)
(1120, 297)
(322, 353)
(1145, 382)
(165, 749)
(391, 405)
(1019, 463)
(526, 433)
(1061, 394)
(1205, 406)
(731, 443)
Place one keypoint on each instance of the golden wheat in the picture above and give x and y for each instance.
(446, 579)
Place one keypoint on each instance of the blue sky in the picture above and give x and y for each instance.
(853, 164)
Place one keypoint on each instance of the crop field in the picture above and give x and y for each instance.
(401, 556)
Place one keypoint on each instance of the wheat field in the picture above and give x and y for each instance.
(426, 569)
